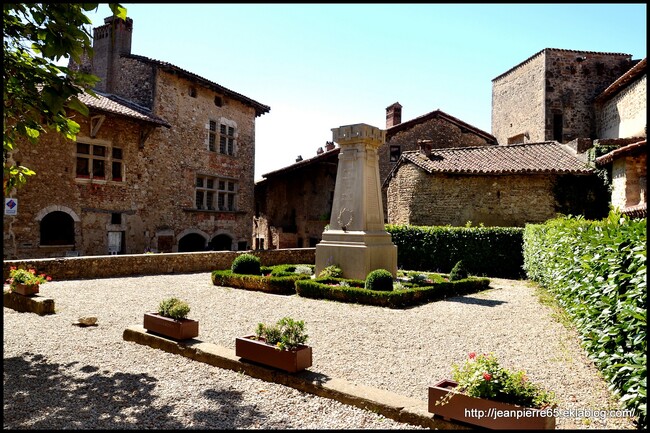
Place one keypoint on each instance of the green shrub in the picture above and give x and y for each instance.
(331, 271)
(459, 272)
(303, 270)
(286, 334)
(597, 272)
(173, 308)
(380, 280)
(246, 264)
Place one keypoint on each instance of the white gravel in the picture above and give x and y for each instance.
(60, 376)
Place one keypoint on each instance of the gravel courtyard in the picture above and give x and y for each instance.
(61, 376)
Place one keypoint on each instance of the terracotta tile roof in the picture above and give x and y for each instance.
(114, 104)
(442, 115)
(624, 80)
(629, 149)
(259, 108)
(529, 158)
(638, 211)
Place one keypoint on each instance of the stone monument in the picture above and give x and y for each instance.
(357, 240)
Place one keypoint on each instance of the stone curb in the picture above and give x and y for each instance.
(393, 406)
(28, 304)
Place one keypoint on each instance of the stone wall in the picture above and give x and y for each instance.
(509, 200)
(625, 115)
(553, 82)
(90, 267)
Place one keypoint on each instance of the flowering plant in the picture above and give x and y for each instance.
(482, 376)
(26, 276)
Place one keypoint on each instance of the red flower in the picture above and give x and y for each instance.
(48, 278)
(472, 355)
(487, 376)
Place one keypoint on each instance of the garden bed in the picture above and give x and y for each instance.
(279, 279)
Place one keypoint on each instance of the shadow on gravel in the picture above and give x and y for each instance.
(476, 301)
(38, 394)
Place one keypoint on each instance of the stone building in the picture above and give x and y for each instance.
(508, 185)
(550, 95)
(293, 204)
(128, 185)
(622, 119)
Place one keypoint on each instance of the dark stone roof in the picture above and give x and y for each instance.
(630, 149)
(114, 104)
(259, 108)
(465, 127)
(547, 157)
(305, 162)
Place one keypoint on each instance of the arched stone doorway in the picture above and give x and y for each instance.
(191, 242)
(220, 242)
(57, 228)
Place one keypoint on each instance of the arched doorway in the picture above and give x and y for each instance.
(191, 242)
(220, 243)
(57, 228)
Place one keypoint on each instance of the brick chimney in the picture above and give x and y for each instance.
(329, 145)
(393, 115)
(425, 147)
(109, 42)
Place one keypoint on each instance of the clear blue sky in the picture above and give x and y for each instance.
(321, 66)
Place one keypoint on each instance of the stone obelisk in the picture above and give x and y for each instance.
(357, 240)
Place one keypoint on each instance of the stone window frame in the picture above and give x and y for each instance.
(106, 161)
(222, 136)
(215, 193)
(394, 152)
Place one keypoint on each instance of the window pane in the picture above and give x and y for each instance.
(210, 183)
(231, 186)
(199, 182)
(231, 202)
(222, 185)
(209, 201)
(99, 150)
(83, 148)
(222, 145)
(221, 201)
(117, 153)
(231, 131)
(213, 125)
(83, 167)
(222, 129)
(98, 168)
(116, 170)
(199, 199)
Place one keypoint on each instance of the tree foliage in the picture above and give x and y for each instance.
(37, 92)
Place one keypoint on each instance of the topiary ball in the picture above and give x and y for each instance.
(459, 272)
(379, 279)
(246, 264)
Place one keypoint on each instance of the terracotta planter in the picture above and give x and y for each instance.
(487, 413)
(180, 329)
(258, 351)
(25, 289)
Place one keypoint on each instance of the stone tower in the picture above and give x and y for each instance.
(109, 42)
(357, 240)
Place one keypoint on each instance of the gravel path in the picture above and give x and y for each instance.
(60, 376)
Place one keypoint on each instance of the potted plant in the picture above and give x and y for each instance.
(26, 282)
(280, 346)
(171, 320)
(484, 394)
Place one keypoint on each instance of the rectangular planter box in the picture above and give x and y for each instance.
(177, 329)
(258, 351)
(487, 413)
(25, 289)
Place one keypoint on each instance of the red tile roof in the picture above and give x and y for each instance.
(629, 149)
(114, 104)
(529, 158)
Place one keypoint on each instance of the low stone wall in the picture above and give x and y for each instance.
(89, 267)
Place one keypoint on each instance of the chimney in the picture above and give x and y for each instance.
(329, 145)
(425, 147)
(393, 115)
(299, 158)
(319, 151)
(109, 42)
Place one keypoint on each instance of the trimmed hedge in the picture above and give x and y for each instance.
(597, 271)
(280, 280)
(486, 251)
(356, 293)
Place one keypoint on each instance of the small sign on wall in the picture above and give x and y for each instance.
(11, 206)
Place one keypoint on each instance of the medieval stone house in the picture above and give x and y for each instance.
(163, 164)
(293, 204)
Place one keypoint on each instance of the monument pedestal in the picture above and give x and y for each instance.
(357, 253)
(357, 240)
